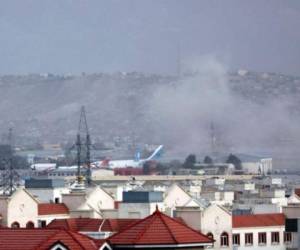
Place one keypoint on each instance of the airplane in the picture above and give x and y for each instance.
(137, 162)
(43, 167)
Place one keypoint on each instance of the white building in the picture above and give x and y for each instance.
(214, 221)
(19, 210)
(263, 231)
(258, 165)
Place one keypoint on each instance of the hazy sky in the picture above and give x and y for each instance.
(74, 36)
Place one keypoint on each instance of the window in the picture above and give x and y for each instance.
(275, 237)
(210, 235)
(249, 239)
(42, 223)
(236, 239)
(224, 239)
(287, 237)
(15, 225)
(262, 238)
(29, 224)
(56, 200)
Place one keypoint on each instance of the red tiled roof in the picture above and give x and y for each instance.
(76, 224)
(116, 225)
(52, 208)
(158, 229)
(42, 239)
(258, 220)
(91, 225)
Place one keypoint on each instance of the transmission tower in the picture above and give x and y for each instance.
(83, 141)
(213, 139)
(178, 61)
(10, 176)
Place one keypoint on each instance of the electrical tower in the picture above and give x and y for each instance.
(178, 61)
(83, 144)
(213, 140)
(10, 177)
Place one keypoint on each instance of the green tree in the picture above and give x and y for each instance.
(208, 160)
(235, 161)
(190, 161)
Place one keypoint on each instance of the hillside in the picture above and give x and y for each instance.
(250, 111)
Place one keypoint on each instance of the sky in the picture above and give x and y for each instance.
(75, 36)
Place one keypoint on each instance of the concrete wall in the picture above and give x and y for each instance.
(175, 196)
(75, 201)
(138, 210)
(99, 199)
(192, 217)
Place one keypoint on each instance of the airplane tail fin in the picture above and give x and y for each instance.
(156, 154)
(137, 156)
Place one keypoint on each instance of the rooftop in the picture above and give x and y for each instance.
(258, 220)
(158, 230)
(28, 239)
(91, 224)
(52, 208)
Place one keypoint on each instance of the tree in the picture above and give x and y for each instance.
(189, 161)
(208, 160)
(235, 161)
